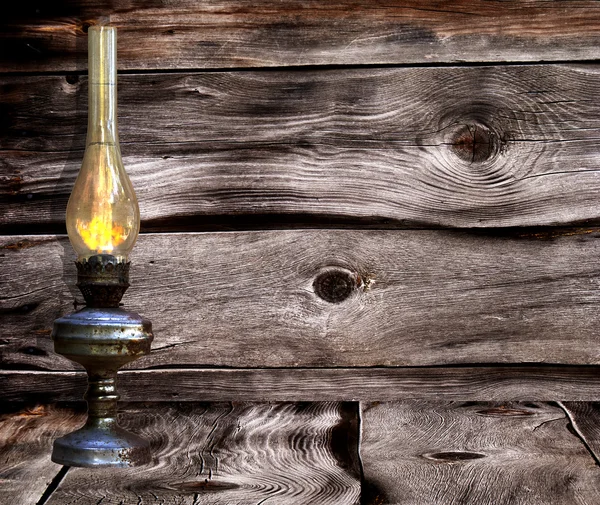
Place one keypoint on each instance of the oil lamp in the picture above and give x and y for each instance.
(103, 223)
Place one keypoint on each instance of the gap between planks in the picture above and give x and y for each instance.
(60, 475)
(306, 68)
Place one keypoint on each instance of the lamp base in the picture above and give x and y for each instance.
(102, 340)
(101, 446)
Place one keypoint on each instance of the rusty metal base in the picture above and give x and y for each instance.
(102, 340)
(101, 446)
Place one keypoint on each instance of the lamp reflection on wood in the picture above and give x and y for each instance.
(103, 223)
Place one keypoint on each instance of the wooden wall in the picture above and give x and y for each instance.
(369, 249)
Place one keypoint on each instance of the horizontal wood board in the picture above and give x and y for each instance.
(485, 383)
(50, 36)
(326, 298)
(426, 147)
(218, 453)
(425, 453)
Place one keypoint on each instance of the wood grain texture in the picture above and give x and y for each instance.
(542, 383)
(42, 36)
(212, 454)
(585, 419)
(426, 147)
(423, 453)
(26, 437)
(402, 298)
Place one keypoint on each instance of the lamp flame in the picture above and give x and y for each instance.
(100, 235)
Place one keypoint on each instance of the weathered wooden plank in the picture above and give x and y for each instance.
(422, 453)
(26, 437)
(457, 147)
(231, 33)
(326, 298)
(231, 453)
(514, 383)
(585, 418)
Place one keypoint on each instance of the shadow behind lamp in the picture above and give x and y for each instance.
(103, 223)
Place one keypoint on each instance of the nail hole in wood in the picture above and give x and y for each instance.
(334, 286)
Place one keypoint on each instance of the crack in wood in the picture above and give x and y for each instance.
(359, 428)
(577, 432)
(546, 422)
(53, 485)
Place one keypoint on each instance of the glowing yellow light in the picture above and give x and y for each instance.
(99, 235)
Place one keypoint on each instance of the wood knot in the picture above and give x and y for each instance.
(334, 286)
(453, 456)
(85, 26)
(474, 143)
(33, 351)
(503, 411)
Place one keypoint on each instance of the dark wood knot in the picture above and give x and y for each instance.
(72, 78)
(453, 456)
(474, 143)
(33, 351)
(85, 26)
(334, 286)
(505, 412)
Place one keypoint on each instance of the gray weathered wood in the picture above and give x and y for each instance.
(459, 147)
(420, 453)
(233, 33)
(585, 418)
(26, 437)
(319, 384)
(212, 454)
(247, 299)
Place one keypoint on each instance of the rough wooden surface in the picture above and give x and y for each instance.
(419, 453)
(459, 147)
(326, 298)
(211, 454)
(26, 437)
(511, 383)
(585, 420)
(231, 33)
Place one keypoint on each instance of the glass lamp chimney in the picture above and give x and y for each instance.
(103, 216)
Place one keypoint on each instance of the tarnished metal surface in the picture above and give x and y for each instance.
(102, 279)
(102, 340)
(101, 446)
(93, 334)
